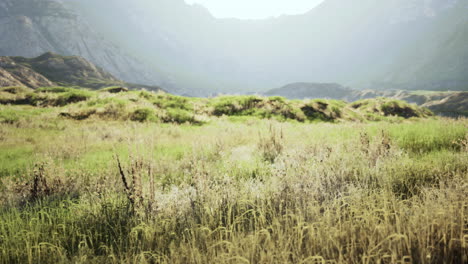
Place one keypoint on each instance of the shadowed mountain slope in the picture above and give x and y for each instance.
(52, 69)
(394, 44)
(30, 28)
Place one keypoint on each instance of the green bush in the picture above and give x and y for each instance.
(143, 115)
(72, 97)
(178, 116)
(55, 89)
(114, 89)
(166, 101)
(234, 105)
(15, 89)
(146, 95)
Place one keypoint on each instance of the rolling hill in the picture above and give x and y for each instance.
(449, 103)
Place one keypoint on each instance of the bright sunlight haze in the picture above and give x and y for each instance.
(256, 9)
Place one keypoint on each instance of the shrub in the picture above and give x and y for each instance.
(398, 108)
(82, 114)
(147, 95)
(166, 101)
(143, 115)
(72, 97)
(271, 146)
(114, 111)
(179, 116)
(312, 112)
(55, 89)
(15, 89)
(234, 105)
(114, 89)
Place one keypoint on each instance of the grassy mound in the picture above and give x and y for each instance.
(15, 89)
(377, 108)
(118, 103)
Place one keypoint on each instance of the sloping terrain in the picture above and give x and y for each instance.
(51, 69)
(12, 74)
(30, 28)
(453, 105)
(121, 104)
(395, 44)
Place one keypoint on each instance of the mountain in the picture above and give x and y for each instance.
(30, 28)
(361, 45)
(394, 44)
(51, 69)
(438, 58)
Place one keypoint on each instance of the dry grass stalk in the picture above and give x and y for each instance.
(39, 188)
(134, 191)
(271, 146)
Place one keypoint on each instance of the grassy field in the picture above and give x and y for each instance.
(232, 183)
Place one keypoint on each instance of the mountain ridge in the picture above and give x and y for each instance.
(30, 28)
(188, 51)
(50, 69)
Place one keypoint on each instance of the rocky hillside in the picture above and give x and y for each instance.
(13, 74)
(394, 44)
(454, 104)
(30, 28)
(51, 69)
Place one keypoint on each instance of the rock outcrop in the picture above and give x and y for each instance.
(14, 74)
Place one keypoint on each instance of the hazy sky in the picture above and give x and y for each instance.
(256, 9)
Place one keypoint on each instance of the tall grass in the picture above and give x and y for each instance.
(258, 191)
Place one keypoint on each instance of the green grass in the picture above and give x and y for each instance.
(80, 104)
(143, 115)
(15, 160)
(264, 182)
(257, 191)
(55, 89)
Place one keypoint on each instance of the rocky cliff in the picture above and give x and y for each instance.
(30, 28)
(394, 44)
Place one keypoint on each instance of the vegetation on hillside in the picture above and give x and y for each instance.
(117, 103)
